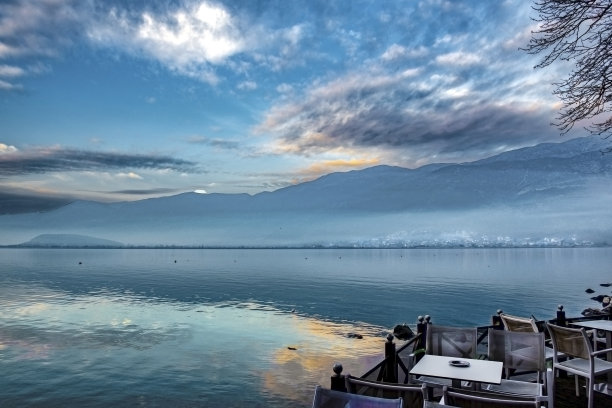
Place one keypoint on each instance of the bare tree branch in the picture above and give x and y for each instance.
(578, 31)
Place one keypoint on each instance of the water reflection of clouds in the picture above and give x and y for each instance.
(196, 339)
(319, 345)
(32, 309)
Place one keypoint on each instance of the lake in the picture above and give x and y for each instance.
(258, 327)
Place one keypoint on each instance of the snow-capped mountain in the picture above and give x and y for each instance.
(549, 194)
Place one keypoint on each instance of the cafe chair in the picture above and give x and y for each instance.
(325, 398)
(449, 341)
(481, 399)
(460, 342)
(581, 359)
(411, 395)
(520, 352)
(519, 324)
(526, 325)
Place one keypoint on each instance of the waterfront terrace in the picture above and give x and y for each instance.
(400, 359)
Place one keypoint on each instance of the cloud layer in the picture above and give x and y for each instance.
(459, 94)
(283, 91)
(39, 161)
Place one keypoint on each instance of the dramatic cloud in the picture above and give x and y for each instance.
(190, 38)
(460, 97)
(400, 111)
(38, 161)
(187, 40)
(193, 39)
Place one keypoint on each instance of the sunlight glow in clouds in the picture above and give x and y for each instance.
(4, 149)
(329, 166)
(130, 175)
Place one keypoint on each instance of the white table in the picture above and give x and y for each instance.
(479, 371)
(606, 326)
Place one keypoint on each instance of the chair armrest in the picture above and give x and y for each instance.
(598, 352)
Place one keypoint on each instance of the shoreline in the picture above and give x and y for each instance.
(302, 247)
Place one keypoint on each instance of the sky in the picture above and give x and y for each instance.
(126, 100)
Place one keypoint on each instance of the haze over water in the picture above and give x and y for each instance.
(214, 327)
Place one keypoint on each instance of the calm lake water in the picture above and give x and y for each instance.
(213, 328)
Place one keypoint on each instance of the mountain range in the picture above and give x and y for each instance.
(551, 194)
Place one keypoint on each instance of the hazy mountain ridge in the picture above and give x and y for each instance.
(70, 241)
(550, 194)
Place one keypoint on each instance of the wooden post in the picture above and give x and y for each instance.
(421, 344)
(427, 323)
(422, 331)
(496, 320)
(338, 382)
(561, 316)
(561, 322)
(390, 361)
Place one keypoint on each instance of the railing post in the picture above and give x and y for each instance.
(390, 360)
(337, 380)
(561, 316)
(421, 331)
(496, 320)
(561, 322)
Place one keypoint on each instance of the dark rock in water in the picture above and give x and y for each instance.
(605, 285)
(598, 298)
(591, 312)
(403, 332)
(292, 348)
(589, 290)
(354, 336)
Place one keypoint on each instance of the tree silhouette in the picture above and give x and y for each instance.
(579, 31)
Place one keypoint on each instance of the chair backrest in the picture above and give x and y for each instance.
(572, 342)
(325, 398)
(479, 399)
(411, 395)
(451, 341)
(519, 324)
(518, 350)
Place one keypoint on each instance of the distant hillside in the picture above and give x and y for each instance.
(552, 194)
(70, 241)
